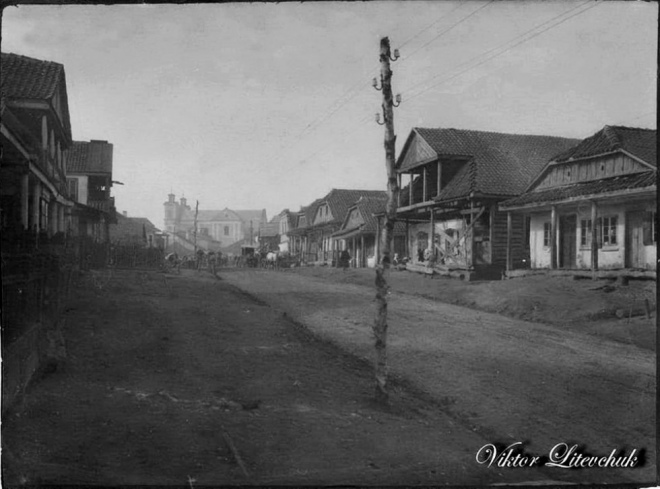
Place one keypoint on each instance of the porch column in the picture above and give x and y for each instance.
(377, 242)
(36, 189)
(61, 228)
(410, 189)
(362, 252)
(594, 239)
(25, 202)
(438, 183)
(52, 217)
(553, 237)
(407, 250)
(431, 232)
(424, 185)
(509, 228)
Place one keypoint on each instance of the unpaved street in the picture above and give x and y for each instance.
(166, 373)
(509, 380)
(187, 380)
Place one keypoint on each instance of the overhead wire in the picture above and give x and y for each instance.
(442, 33)
(415, 95)
(354, 90)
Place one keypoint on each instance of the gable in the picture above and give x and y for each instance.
(354, 219)
(416, 152)
(617, 164)
(323, 214)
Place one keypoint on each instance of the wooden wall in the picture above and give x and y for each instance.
(582, 171)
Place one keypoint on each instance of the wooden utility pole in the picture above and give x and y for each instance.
(387, 230)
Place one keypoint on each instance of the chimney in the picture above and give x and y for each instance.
(125, 213)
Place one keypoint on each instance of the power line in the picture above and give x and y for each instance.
(429, 26)
(353, 91)
(456, 24)
(499, 47)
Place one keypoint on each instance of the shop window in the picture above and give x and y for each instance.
(608, 231)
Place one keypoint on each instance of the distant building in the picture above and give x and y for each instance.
(136, 230)
(216, 229)
(89, 180)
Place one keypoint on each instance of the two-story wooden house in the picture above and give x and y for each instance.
(361, 229)
(594, 206)
(35, 137)
(454, 180)
(89, 180)
(327, 215)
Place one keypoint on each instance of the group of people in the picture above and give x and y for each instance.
(200, 260)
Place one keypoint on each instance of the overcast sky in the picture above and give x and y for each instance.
(252, 106)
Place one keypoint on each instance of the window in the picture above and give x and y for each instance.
(73, 188)
(585, 233)
(650, 228)
(608, 231)
(226, 230)
(546, 234)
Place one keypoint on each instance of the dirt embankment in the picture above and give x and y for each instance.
(507, 379)
(603, 308)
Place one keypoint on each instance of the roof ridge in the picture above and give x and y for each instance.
(33, 60)
(492, 132)
(610, 134)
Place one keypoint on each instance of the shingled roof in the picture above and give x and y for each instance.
(636, 141)
(340, 200)
(22, 77)
(89, 157)
(604, 186)
(496, 163)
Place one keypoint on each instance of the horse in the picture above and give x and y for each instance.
(272, 260)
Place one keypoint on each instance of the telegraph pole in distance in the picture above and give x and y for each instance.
(387, 231)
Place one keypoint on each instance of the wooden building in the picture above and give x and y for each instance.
(317, 222)
(35, 137)
(454, 180)
(89, 182)
(593, 207)
(360, 231)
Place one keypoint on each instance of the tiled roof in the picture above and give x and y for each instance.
(496, 163)
(24, 77)
(340, 200)
(89, 157)
(584, 189)
(28, 78)
(271, 228)
(639, 142)
(368, 207)
(127, 227)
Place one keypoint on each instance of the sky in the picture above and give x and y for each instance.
(270, 106)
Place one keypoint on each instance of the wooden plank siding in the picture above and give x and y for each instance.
(499, 239)
(594, 169)
(418, 151)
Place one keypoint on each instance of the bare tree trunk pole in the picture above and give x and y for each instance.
(387, 231)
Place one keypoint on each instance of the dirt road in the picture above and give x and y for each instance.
(508, 380)
(185, 380)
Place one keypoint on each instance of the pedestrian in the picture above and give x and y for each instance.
(345, 259)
